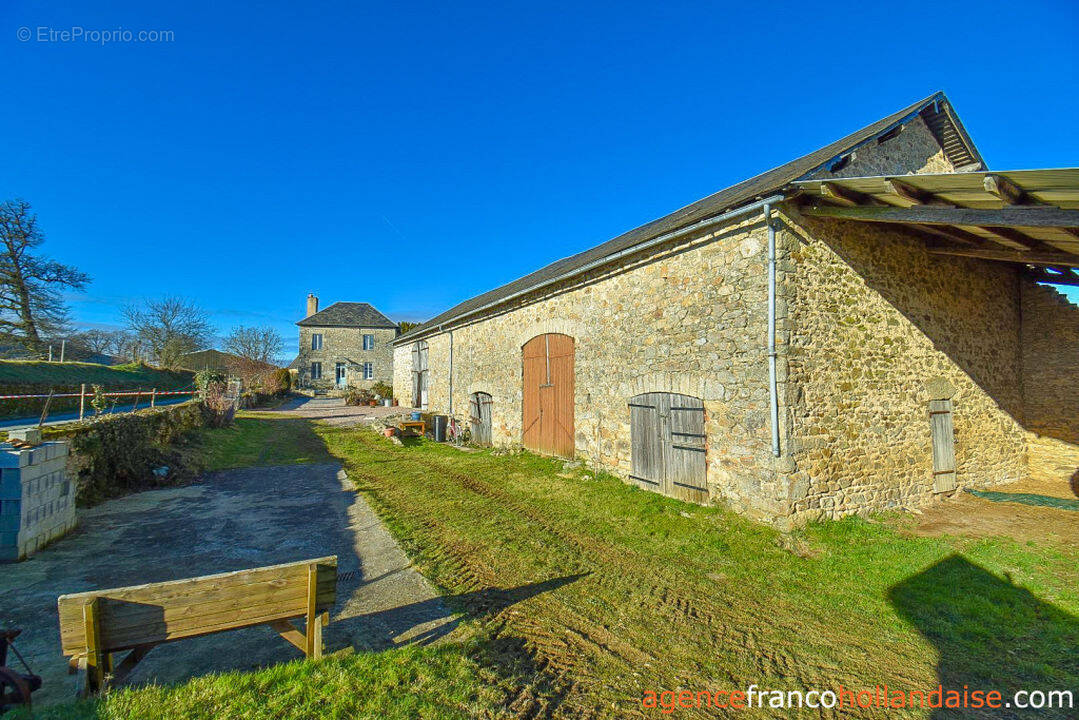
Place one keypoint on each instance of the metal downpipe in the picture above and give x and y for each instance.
(773, 392)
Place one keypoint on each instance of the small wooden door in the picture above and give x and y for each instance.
(480, 412)
(669, 452)
(943, 430)
(547, 407)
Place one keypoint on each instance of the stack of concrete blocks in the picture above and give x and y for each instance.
(37, 499)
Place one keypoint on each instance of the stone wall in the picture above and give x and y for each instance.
(875, 319)
(914, 150)
(872, 318)
(345, 345)
(1050, 362)
(691, 320)
(1050, 378)
(37, 500)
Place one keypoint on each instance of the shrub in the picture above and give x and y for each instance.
(279, 382)
(358, 396)
(115, 454)
(213, 386)
(382, 389)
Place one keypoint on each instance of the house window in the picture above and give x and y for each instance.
(316, 341)
(368, 342)
(368, 371)
(316, 371)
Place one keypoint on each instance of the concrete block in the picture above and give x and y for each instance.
(31, 435)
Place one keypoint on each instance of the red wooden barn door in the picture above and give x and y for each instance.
(548, 395)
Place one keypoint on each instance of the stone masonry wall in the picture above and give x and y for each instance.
(874, 320)
(691, 320)
(914, 150)
(346, 345)
(1050, 379)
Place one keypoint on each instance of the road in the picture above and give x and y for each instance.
(67, 416)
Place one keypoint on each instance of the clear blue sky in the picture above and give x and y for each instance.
(414, 156)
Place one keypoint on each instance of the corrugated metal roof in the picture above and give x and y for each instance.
(739, 194)
(348, 314)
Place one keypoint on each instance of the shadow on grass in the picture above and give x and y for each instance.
(443, 613)
(990, 635)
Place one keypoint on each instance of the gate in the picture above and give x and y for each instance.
(547, 408)
(480, 412)
(668, 445)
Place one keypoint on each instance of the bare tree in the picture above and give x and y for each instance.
(114, 343)
(259, 344)
(168, 327)
(31, 304)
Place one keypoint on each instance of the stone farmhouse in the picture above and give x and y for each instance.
(860, 329)
(349, 344)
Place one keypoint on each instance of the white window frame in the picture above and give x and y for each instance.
(316, 341)
(316, 370)
(368, 342)
(368, 371)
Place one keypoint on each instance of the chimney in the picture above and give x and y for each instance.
(312, 304)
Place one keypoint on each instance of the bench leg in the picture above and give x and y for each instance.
(96, 662)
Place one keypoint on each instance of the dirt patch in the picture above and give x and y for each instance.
(967, 515)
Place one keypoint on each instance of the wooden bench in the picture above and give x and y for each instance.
(94, 625)
(415, 425)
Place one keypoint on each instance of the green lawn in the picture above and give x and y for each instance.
(582, 594)
(260, 439)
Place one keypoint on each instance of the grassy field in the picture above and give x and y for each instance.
(33, 377)
(583, 594)
(39, 372)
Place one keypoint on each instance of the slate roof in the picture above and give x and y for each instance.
(348, 314)
(935, 110)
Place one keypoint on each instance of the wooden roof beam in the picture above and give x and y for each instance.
(1009, 216)
(844, 196)
(911, 194)
(1014, 239)
(1058, 259)
(1062, 276)
(1008, 192)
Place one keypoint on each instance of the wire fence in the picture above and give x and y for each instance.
(88, 397)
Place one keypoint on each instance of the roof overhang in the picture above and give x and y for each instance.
(1025, 217)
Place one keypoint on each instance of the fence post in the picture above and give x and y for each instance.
(153, 397)
(82, 401)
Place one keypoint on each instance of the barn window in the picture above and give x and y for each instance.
(316, 341)
(669, 445)
(316, 371)
(368, 371)
(368, 342)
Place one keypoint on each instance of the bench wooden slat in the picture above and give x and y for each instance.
(161, 612)
(119, 616)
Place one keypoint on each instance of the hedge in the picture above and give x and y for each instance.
(116, 454)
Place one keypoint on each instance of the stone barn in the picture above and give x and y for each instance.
(860, 329)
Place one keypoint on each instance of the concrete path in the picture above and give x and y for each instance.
(228, 521)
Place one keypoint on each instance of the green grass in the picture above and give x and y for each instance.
(660, 595)
(68, 374)
(448, 682)
(582, 593)
(260, 439)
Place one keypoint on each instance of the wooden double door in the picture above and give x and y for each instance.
(669, 445)
(548, 378)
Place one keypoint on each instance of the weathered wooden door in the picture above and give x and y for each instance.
(548, 379)
(669, 452)
(480, 412)
(419, 375)
(940, 422)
